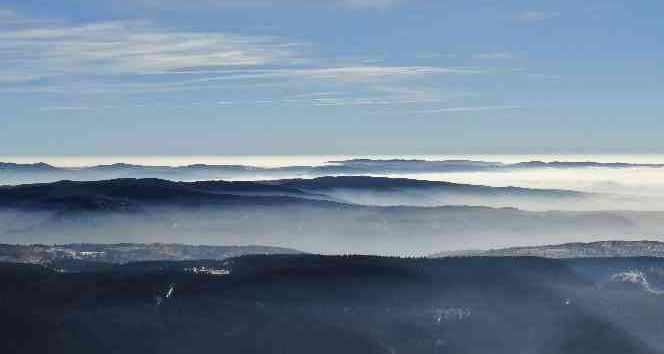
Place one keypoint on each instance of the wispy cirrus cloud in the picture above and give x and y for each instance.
(128, 57)
(460, 109)
(470, 109)
(350, 77)
(44, 50)
(370, 96)
(41, 50)
(362, 73)
(386, 95)
(64, 108)
(245, 80)
(348, 4)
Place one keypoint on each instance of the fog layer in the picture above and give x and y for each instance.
(334, 229)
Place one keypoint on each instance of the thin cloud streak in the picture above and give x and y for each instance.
(345, 4)
(371, 4)
(65, 108)
(376, 96)
(494, 55)
(469, 109)
(463, 109)
(533, 16)
(350, 73)
(355, 75)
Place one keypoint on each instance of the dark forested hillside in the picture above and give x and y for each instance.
(305, 304)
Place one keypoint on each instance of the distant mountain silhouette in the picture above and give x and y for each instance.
(124, 194)
(130, 194)
(32, 167)
(383, 184)
(12, 173)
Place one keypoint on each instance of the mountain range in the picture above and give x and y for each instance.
(599, 249)
(127, 252)
(13, 173)
(348, 189)
(308, 215)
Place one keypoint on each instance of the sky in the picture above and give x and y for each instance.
(229, 77)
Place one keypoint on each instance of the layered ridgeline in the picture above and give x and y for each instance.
(599, 249)
(140, 252)
(308, 215)
(379, 191)
(314, 304)
(127, 252)
(13, 173)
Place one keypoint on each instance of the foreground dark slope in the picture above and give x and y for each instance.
(313, 304)
(241, 213)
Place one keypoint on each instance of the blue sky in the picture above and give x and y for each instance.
(330, 77)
